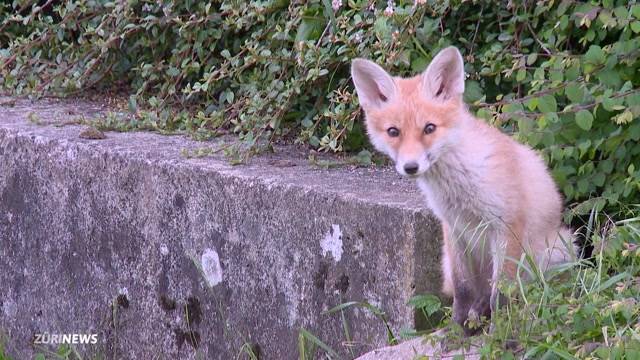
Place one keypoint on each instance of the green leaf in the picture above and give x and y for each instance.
(587, 206)
(583, 186)
(612, 104)
(505, 37)
(306, 122)
(472, 91)
(598, 179)
(574, 93)
(381, 28)
(173, 71)
(568, 191)
(633, 132)
(229, 97)
(364, 158)
(427, 302)
(607, 19)
(584, 119)
(606, 166)
(583, 146)
(310, 29)
(328, 12)
(612, 281)
(610, 78)
(306, 335)
(635, 26)
(547, 103)
(133, 104)
(595, 55)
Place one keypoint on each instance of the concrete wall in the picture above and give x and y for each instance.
(168, 257)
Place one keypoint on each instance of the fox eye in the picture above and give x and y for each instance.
(393, 132)
(429, 128)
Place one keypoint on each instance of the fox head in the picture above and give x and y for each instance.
(413, 120)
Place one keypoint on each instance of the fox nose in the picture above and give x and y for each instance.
(411, 168)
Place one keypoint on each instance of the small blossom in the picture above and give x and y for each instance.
(167, 10)
(419, 2)
(388, 11)
(147, 8)
(336, 4)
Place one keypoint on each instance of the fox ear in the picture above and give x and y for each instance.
(373, 85)
(444, 77)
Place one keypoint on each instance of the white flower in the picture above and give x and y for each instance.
(336, 4)
(389, 10)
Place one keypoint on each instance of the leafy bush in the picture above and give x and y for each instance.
(561, 76)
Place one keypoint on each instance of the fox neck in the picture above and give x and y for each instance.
(456, 185)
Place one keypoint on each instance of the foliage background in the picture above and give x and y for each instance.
(560, 75)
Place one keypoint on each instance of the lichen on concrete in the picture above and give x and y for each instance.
(211, 267)
(332, 243)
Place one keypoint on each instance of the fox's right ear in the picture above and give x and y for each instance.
(373, 85)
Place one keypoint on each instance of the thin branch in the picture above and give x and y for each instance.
(573, 109)
(475, 33)
(533, 33)
(594, 104)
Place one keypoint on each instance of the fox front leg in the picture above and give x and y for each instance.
(463, 298)
(481, 307)
(506, 245)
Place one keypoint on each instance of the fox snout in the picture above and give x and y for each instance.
(413, 167)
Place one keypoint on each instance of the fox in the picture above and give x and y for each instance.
(494, 197)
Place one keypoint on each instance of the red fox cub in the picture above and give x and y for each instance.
(494, 196)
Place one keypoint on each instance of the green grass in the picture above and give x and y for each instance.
(588, 309)
(3, 351)
(63, 352)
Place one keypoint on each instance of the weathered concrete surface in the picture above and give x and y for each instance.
(168, 257)
(421, 347)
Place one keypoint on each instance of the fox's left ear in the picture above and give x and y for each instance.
(444, 77)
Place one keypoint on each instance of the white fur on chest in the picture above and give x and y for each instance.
(458, 193)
